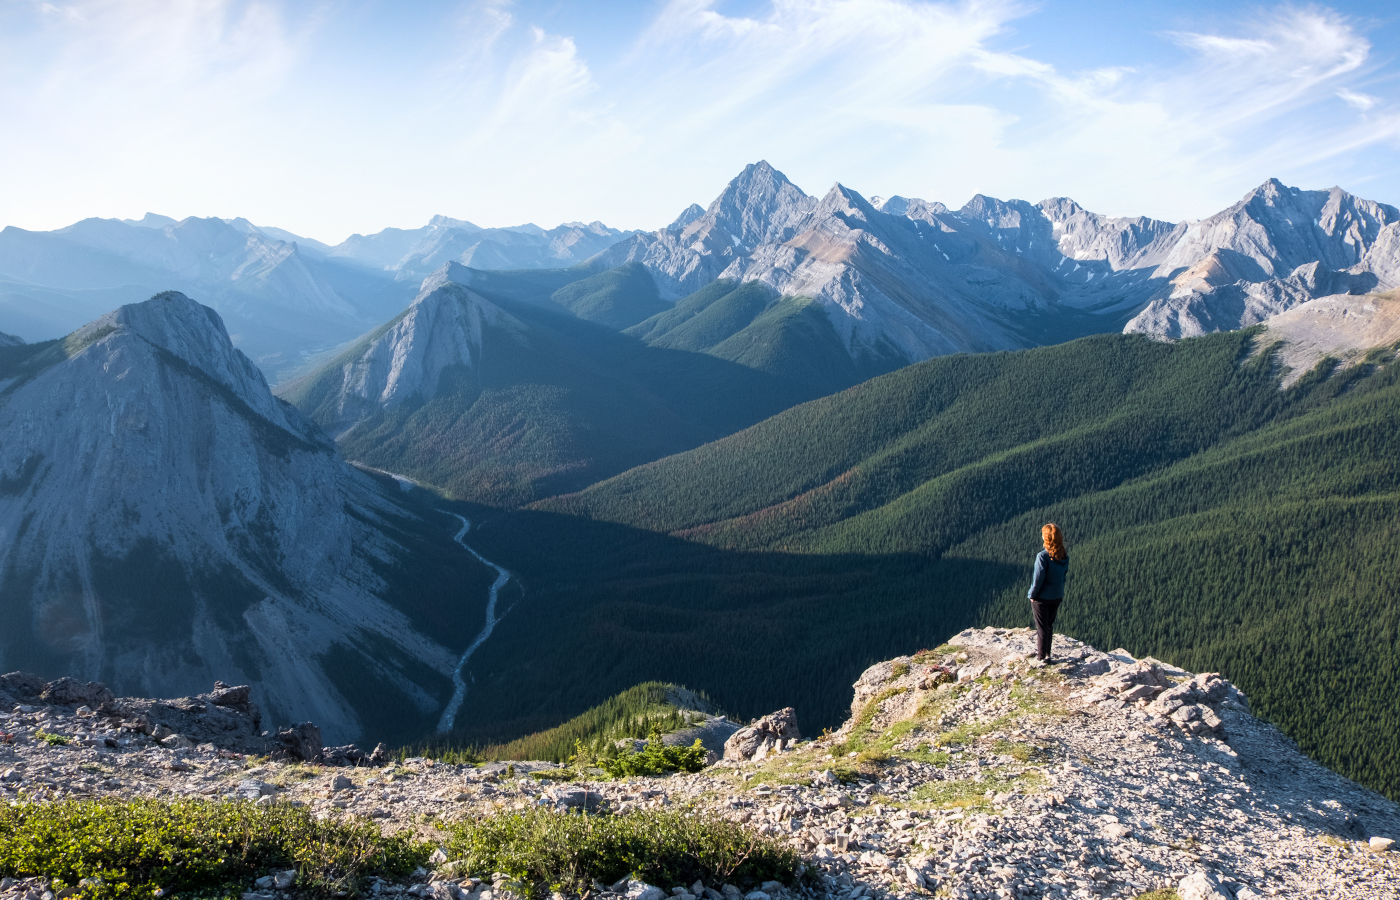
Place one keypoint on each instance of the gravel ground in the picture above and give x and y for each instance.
(965, 772)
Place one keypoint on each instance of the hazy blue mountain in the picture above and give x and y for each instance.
(282, 304)
(413, 254)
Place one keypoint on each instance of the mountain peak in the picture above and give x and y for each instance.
(760, 206)
(150, 220)
(195, 335)
(10, 340)
(448, 222)
(688, 215)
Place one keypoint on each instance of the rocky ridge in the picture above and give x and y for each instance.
(908, 279)
(968, 771)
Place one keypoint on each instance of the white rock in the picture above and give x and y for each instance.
(1202, 886)
(640, 890)
(1381, 844)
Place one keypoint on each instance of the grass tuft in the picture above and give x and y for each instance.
(542, 850)
(137, 848)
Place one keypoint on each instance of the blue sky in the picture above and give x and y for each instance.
(328, 118)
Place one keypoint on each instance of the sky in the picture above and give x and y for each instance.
(332, 117)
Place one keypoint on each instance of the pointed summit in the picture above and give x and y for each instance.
(759, 206)
(688, 215)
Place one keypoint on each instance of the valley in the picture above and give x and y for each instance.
(750, 453)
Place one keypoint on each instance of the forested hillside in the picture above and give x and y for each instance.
(553, 403)
(1215, 521)
(751, 324)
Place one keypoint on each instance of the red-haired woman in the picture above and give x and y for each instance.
(1048, 587)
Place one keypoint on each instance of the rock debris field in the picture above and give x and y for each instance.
(969, 771)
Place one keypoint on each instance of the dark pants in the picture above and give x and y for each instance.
(1044, 611)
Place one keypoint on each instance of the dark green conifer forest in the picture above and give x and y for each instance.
(1215, 521)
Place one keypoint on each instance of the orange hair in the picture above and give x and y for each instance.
(1054, 540)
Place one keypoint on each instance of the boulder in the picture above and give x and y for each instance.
(236, 697)
(22, 686)
(350, 755)
(1381, 844)
(67, 691)
(640, 890)
(574, 798)
(300, 742)
(764, 734)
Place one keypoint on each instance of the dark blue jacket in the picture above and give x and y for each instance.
(1048, 582)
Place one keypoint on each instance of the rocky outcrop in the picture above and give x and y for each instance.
(173, 522)
(301, 743)
(773, 733)
(1002, 779)
(404, 361)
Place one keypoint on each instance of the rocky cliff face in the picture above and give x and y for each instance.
(916, 279)
(165, 522)
(404, 360)
(1275, 249)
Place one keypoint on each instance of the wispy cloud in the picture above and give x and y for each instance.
(1363, 102)
(306, 116)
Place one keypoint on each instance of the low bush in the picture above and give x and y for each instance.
(656, 758)
(136, 848)
(543, 850)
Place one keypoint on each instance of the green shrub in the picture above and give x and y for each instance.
(53, 740)
(137, 847)
(656, 758)
(543, 850)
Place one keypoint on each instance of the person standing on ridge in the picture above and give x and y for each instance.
(1048, 587)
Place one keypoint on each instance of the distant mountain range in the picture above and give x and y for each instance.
(165, 521)
(285, 297)
(888, 280)
(905, 279)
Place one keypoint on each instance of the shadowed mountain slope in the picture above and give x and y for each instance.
(500, 399)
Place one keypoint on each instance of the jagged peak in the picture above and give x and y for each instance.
(1057, 209)
(844, 199)
(688, 215)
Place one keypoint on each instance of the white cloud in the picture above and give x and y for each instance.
(1363, 102)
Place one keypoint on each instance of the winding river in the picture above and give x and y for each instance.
(459, 692)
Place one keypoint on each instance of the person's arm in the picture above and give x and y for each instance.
(1038, 579)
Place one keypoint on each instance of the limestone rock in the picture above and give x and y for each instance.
(763, 735)
(1203, 886)
(640, 890)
